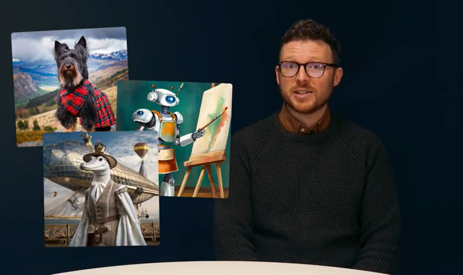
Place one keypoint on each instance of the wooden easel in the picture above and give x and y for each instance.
(206, 160)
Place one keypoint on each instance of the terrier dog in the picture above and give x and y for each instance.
(78, 97)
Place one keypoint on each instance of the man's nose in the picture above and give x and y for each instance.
(302, 76)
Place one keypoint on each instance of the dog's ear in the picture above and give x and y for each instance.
(57, 46)
(81, 47)
(82, 42)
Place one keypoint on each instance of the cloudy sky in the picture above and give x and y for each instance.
(36, 46)
(119, 145)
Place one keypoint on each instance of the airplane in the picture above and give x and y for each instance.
(61, 165)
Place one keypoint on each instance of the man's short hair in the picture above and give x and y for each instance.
(310, 30)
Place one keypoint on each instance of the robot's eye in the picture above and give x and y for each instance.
(170, 99)
(139, 113)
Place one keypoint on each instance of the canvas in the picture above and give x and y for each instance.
(37, 82)
(214, 102)
(66, 180)
(202, 112)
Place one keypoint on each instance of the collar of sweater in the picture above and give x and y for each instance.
(275, 121)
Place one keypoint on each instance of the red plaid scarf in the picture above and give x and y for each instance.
(73, 100)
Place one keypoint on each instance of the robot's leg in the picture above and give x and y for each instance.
(168, 186)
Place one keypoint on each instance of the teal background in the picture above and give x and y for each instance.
(131, 95)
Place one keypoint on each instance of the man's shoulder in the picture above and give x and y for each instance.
(254, 130)
(257, 127)
(357, 134)
(253, 138)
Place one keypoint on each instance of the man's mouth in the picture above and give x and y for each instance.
(302, 92)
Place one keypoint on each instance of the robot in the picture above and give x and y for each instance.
(167, 125)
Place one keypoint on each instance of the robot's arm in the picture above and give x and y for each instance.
(145, 119)
(178, 139)
(185, 140)
(177, 136)
(188, 138)
(179, 120)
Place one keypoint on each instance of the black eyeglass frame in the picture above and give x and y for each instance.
(333, 65)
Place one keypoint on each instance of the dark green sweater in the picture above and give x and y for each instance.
(324, 199)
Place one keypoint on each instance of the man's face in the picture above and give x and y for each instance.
(301, 92)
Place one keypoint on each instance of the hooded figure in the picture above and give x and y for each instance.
(109, 217)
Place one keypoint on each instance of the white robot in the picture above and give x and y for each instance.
(166, 124)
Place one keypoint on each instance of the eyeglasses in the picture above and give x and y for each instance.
(313, 69)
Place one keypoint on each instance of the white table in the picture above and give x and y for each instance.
(218, 268)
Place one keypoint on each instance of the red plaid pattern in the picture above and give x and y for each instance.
(74, 100)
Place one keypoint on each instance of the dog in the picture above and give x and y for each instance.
(78, 97)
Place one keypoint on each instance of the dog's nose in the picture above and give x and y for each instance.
(68, 66)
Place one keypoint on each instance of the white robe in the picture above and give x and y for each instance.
(128, 231)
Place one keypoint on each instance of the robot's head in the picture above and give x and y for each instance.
(163, 97)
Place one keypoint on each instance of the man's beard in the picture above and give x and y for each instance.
(318, 102)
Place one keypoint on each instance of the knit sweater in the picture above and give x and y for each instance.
(324, 199)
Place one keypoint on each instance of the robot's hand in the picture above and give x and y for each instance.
(144, 117)
(197, 134)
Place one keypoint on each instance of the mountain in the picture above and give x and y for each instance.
(44, 73)
(118, 55)
(25, 88)
(35, 78)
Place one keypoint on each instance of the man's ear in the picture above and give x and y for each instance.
(277, 74)
(337, 76)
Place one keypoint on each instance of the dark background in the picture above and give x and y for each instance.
(401, 63)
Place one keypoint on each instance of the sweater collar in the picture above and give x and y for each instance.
(292, 124)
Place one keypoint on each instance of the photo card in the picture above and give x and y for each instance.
(65, 81)
(192, 121)
(101, 189)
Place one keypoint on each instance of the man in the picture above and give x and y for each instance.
(317, 189)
